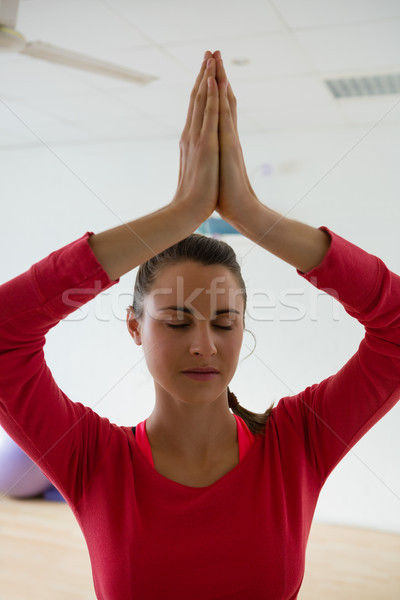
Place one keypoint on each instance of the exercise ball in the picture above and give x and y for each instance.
(53, 495)
(19, 476)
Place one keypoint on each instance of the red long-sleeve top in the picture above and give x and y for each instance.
(244, 536)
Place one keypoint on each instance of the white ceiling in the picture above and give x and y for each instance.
(291, 45)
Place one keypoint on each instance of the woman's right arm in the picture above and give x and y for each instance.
(67, 439)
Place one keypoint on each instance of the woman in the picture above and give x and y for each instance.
(196, 501)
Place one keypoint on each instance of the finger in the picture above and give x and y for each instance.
(233, 106)
(226, 126)
(222, 78)
(211, 110)
(193, 95)
(195, 89)
(201, 99)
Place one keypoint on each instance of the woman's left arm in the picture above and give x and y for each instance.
(298, 244)
(331, 416)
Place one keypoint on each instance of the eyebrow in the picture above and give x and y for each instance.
(185, 309)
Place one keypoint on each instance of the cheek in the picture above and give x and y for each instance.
(236, 346)
(237, 339)
(161, 349)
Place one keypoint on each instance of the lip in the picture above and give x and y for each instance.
(201, 376)
(201, 370)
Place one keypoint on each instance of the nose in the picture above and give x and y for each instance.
(203, 342)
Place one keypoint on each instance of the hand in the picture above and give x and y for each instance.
(236, 196)
(199, 150)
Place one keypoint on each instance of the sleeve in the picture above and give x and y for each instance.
(64, 438)
(333, 415)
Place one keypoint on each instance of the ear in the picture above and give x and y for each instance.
(133, 326)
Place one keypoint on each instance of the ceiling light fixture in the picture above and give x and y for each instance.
(240, 62)
(368, 85)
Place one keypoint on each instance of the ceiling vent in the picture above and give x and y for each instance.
(372, 85)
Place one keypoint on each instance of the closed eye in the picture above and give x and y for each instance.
(187, 325)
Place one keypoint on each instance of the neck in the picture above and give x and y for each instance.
(197, 434)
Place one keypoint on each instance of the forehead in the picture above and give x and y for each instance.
(191, 283)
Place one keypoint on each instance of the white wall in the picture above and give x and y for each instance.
(342, 179)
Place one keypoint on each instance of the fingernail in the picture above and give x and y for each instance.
(209, 62)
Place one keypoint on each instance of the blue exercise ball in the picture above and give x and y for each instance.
(20, 477)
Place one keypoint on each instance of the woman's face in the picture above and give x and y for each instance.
(193, 318)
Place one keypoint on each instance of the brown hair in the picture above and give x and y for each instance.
(206, 251)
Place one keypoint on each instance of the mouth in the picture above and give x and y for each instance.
(201, 370)
(201, 375)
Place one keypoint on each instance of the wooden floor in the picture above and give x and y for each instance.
(43, 556)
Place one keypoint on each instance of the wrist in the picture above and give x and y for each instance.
(247, 220)
(189, 211)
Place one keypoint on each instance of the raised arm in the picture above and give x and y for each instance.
(300, 245)
(329, 417)
(65, 438)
